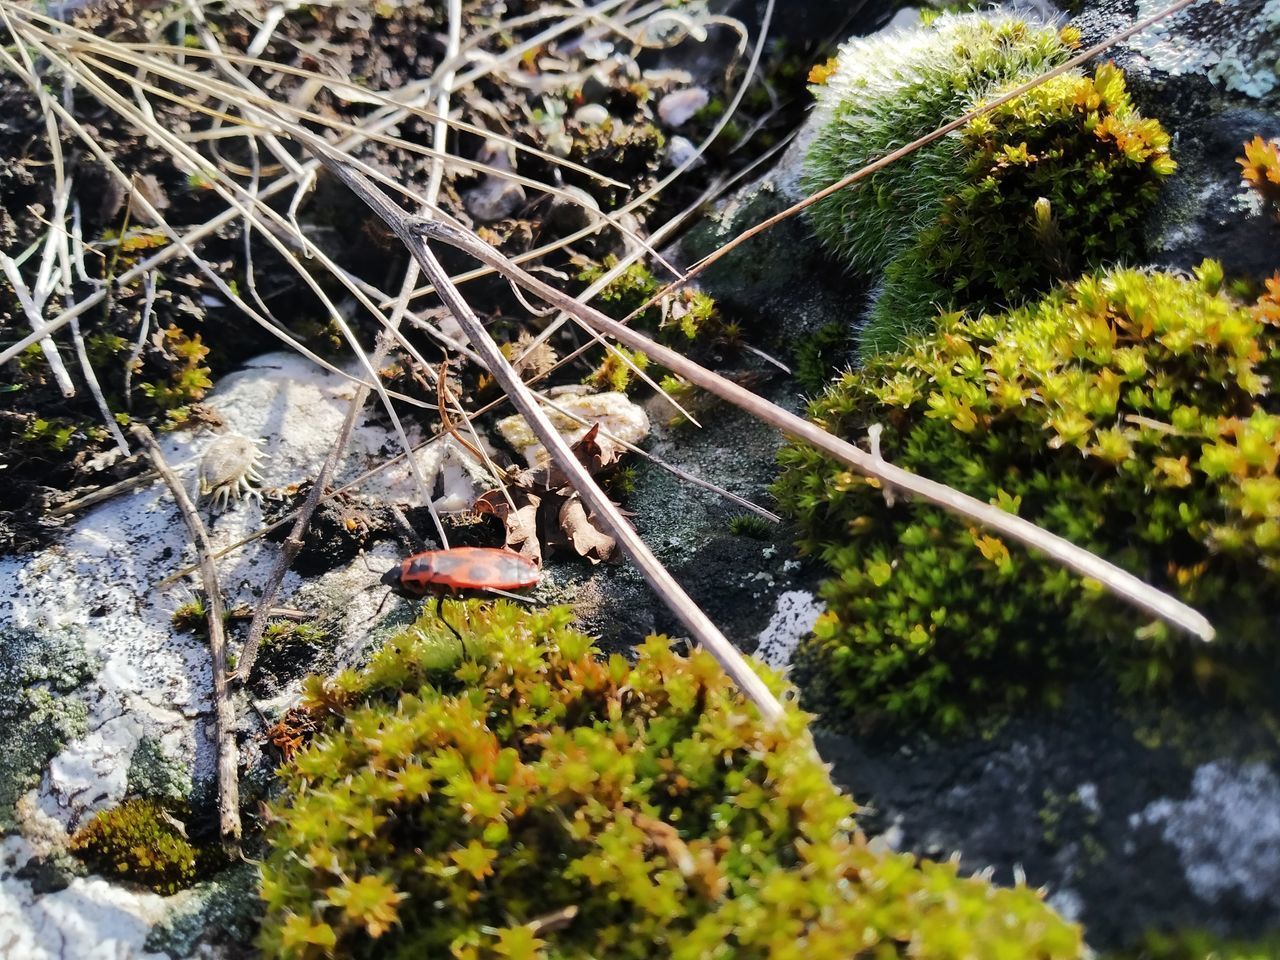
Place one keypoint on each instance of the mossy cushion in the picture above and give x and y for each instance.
(542, 801)
(1131, 413)
(1051, 184)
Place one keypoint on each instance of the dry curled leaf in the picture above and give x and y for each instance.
(582, 533)
(544, 509)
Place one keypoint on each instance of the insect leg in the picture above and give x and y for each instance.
(440, 617)
(518, 597)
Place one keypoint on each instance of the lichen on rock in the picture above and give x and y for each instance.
(39, 713)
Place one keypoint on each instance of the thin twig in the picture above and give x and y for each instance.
(658, 577)
(106, 493)
(228, 755)
(289, 550)
(1120, 582)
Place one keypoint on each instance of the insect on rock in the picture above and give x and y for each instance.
(460, 571)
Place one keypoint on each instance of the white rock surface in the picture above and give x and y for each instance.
(618, 417)
(1227, 833)
(100, 580)
(90, 920)
(793, 619)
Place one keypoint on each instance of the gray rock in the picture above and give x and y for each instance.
(1210, 75)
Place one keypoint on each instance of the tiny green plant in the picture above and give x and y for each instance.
(1129, 413)
(541, 800)
(750, 525)
(614, 374)
(191, 616)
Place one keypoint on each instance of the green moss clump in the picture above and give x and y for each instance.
(818, 357)
(137, 842)
(287, 635)
(1129, 413)
(750, 525)
(683, 316)
(540, 801)
(188, 379)
(191, 616)
(1049, 185)
(614, 373)
(1260, 168)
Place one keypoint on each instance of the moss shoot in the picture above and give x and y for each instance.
(138, 842)
(542, 801)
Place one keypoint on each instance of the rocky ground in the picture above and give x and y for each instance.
(1134, 816)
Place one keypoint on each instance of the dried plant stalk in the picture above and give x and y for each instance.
(224, 714)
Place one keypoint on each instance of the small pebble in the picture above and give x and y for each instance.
(494, 199)
(680, 150)
(575, 210)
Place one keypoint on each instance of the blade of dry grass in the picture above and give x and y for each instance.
(224, 713)
(294, 542)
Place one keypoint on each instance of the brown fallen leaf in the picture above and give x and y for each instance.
(594, 452)
(522, 529)
(582, 533)
(547, 511)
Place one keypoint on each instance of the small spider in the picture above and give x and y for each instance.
(226, 469)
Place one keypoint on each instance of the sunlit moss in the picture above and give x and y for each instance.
(540, 800)
(1130, 413)
(1051, 184)
(138, 842)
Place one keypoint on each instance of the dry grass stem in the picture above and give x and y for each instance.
(224, 713)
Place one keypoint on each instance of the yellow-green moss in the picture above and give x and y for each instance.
(540, 801)
(684, 315)
(1197, 945)
(138, 842)
(1130, 413)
